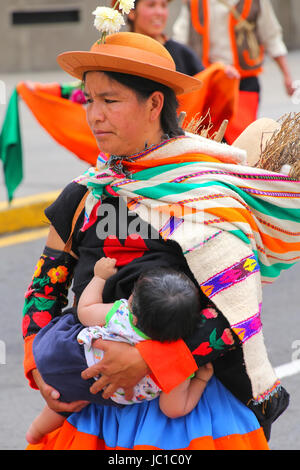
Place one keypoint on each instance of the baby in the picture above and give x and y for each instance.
(164, 306)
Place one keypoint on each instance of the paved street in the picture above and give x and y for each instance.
(42, 156)
(19, 404)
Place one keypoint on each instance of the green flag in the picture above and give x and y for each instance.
(11, 147)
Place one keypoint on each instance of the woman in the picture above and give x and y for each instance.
(133, 118)
(150, 17)
(237, 33)
(217, 100)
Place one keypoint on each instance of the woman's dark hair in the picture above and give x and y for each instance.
(166, 304)
(144, 88)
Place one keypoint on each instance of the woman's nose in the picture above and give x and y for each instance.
(95, 113)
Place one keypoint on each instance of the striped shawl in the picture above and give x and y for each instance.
(238, 227)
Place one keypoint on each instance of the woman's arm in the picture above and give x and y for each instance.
(44, 300)
(182, 399)
(47, 293)
(286, 74)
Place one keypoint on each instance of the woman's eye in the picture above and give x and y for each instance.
(107, 101)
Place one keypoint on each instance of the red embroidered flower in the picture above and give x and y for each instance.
(58, 274)
(203, 349)
(227, 336)
(209, 312)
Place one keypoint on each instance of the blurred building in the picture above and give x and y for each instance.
(34, 32)
(288, 13)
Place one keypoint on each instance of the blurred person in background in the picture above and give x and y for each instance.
(217, 100)
(150, 17)
(237, 33)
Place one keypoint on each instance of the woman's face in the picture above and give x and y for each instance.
(150, 17)
(120, 121)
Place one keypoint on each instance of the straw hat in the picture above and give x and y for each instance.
(255, 138)
(130, 53)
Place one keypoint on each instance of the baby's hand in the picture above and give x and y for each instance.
(205, 372)
(105, 268)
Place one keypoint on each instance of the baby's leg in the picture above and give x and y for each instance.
(47, 421)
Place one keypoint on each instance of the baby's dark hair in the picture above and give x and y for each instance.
(166, 304)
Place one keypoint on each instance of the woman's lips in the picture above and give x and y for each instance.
(99, 133)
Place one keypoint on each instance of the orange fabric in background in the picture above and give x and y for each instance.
(64, 120)
(246, 113)
(218, 95)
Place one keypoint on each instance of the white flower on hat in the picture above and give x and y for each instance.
(108, 20)
(126, 6)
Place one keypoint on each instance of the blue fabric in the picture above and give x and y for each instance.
(217, 414)
(60, 360)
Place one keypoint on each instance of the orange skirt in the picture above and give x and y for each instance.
(219, 422)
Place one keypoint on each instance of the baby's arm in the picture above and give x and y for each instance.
(183, 398)
(91, 309)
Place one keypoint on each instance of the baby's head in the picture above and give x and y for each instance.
(165, 303)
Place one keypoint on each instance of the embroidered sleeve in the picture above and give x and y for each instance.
(45, 298)
(48, 290)
(212, 338)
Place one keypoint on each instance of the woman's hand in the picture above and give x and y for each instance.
(121, 367)
(51, 396)
(231, 71)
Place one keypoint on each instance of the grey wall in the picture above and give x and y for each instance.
(288, 13)
(35, 47)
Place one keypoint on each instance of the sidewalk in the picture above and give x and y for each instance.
(48, 167)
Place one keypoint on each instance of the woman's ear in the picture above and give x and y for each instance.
(156, 102)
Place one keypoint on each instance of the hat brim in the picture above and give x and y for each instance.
(76, 63)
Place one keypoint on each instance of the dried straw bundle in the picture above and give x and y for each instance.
(197, 125)
(283, 148)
